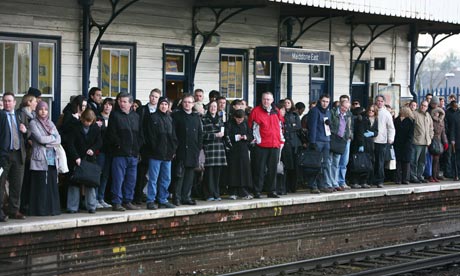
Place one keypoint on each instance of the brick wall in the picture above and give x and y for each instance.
(222, 241)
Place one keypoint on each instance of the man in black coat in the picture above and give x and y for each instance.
(189, 131)
(124, 139)
(454, 138)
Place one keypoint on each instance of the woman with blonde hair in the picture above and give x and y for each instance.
(404, 127)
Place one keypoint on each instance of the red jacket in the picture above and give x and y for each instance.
(266, 127)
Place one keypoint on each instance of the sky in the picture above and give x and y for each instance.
(451, 44)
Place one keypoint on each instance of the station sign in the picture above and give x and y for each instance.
(304, 56)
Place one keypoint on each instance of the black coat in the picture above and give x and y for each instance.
(239, 166)
(4, 140)
(454, 130)
(79, 143)
(160, 137)
(124, 136)
(189, 131)
(403, 139)
(361, 125)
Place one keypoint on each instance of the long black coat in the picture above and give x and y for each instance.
(239, 166)
(403, 139)
(80, 143)
(189, 131)
(361, 125)
(454, 131)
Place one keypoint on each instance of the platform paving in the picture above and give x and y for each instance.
(107, 216)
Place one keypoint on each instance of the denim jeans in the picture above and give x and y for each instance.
(124, 173)
(159, 179)
(428, 165)
(342, 172)
(417, 163)
(105, 161)
(335, 160)
(324, 148)
(73, 198)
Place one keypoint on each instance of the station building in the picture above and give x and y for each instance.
(65, 47)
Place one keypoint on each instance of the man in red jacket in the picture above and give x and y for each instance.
(265, 120)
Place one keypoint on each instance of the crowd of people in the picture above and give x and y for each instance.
(168, 154)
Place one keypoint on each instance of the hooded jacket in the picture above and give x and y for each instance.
(318, 118)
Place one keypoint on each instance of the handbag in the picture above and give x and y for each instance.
(360, 162)
(436, 147)
(390, 153)
(88, 174)
(309, 158)
(338, 144)
(61, 158)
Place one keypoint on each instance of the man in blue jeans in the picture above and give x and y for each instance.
(160, 147)
(319, 137)
(124, 139)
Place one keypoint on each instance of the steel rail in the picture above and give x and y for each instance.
(346, 258)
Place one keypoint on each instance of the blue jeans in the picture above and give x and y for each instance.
(324, 148)
(335, 160)
(342, 172)
(73, 198)
(105, 162)
(159, 174)
(124, 173)
(428, 165)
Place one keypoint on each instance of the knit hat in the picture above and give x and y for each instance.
(34, 91)
(162, 100)
(434, 100)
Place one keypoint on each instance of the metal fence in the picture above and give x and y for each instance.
(441, 92)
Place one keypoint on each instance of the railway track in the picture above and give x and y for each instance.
(389, 260)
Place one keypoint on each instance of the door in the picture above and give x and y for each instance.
(360, 83)
(266, 73)
(177, 65)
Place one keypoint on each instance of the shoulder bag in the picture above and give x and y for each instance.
(88, 174)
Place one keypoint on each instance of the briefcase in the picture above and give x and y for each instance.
(88, 174)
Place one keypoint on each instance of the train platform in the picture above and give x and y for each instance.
(217, 237)
(107, 216)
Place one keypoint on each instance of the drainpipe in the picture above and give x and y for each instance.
(86, 37)
(413, 37)
(289, 66)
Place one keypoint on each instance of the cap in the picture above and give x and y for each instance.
(34, 91)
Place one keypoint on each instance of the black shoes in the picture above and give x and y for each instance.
(130, 206)
(166, 205)
(257, 195)
(92, 211)
(176, 202)
(273, 195)
(118, 208)
(151, 206)
(189, 202)
(3, 218)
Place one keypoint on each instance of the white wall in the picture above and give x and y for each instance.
(150, 23)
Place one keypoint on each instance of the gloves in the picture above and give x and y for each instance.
(446, 147)
(312, 146)
(368, 134)
(361, 149)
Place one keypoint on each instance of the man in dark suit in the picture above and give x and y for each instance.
(14, 167)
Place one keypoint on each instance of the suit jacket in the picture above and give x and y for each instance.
(22, 136)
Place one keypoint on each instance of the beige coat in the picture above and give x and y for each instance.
(423, 128)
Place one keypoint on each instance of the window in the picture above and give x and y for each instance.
(233, 68)
(263, 69)
(46, 67)
(116, 68)
(175, 64)
(15, 66)
(359, 75)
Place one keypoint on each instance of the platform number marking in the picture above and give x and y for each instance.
(278, 211)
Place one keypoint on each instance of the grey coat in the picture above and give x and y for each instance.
(40, 141)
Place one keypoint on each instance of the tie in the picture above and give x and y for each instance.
(14, 132)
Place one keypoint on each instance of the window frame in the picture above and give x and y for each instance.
(54, 98)
(245, 76)
(118, 45)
